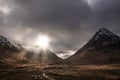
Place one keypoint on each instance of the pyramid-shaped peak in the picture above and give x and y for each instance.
(104, 31)
(103, 35)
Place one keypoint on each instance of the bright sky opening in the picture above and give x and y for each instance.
(43, 41)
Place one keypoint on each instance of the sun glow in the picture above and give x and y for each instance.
(43, 41)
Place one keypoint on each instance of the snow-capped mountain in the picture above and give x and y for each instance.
(6, 44)
(103, 47)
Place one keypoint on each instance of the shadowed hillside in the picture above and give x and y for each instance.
(102, 48)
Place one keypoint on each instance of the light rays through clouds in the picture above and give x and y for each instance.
(68, 23)
(91, 2)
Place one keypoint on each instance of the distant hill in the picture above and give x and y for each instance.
(44, 56)
(102, 48)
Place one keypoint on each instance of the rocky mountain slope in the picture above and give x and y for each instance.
(6, 44)
(10, 53)
(102, 48)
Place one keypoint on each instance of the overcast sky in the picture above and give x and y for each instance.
(69, 23)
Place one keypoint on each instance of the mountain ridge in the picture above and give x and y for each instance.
(6, 44)
(106, 49)
(98, 39)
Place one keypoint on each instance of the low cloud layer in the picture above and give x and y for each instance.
(69, 23)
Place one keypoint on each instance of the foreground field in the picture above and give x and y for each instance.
(61, 72)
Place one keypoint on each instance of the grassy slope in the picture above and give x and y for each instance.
(62, 72)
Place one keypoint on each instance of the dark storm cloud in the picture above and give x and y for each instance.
(64, 13)
(61, 19)
(108, 12)
(70, 23)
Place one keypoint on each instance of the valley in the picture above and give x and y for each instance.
(99, 59)
(61, 72)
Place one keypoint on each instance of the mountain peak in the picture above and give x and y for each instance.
(105, 35)
(6, 44)
(103, 47)
(104, 31)
(102, 38)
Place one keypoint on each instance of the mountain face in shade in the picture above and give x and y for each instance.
(44, 56)
(7, 45)
(104, 37)
(8, 52)
(103, 47)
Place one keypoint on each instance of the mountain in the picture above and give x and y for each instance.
(8, 50)
(9, 53)
(7, 45)
(102, 48)
(44, 57)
